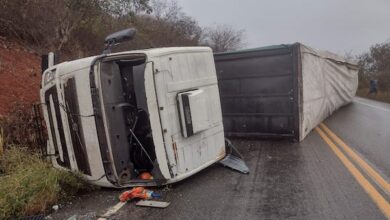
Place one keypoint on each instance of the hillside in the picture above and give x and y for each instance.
(19, 75)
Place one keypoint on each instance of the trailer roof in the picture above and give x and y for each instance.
(152, 52)
(272, 47)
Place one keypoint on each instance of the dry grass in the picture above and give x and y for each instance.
(19, 127)
(383, 96)
(29, 185)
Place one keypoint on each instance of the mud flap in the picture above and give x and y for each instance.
(234, 159)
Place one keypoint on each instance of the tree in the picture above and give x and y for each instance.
(223, 38)
(121, 8)
(45, 23)
(375, 65)
(53, 22)
(75, 13)
(167, 25)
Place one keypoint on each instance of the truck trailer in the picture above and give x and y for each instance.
(282, 91)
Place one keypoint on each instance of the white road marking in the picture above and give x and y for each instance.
(112, 210)
(372, 106)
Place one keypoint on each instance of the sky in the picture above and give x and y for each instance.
(340, 26)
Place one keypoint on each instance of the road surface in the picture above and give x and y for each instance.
(339, 171)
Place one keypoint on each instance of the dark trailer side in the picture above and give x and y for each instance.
(282, 91)
(258, 89)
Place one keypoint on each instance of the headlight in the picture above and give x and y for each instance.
(49, 76)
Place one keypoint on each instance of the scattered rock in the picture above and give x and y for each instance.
(73, 217)
(55, 207)
(87, 216)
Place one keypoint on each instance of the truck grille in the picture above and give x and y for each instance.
(76, 130)
(56, 127)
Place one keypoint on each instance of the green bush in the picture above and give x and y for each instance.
(29, 185)
(382, 96)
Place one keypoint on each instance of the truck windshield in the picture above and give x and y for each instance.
(126, 116)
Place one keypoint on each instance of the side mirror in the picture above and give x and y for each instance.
(118, 37)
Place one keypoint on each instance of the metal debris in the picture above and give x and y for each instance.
(235, 163)
(234, 159)
(154, 204)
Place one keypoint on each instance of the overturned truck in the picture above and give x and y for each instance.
(282, 91)
(117, 115)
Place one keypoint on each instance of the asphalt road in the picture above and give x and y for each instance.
(306, 180)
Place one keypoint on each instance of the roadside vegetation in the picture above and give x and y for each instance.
(375, 65)
(29, 185)
(382, 96)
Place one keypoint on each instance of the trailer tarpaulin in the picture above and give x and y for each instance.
(328, 82)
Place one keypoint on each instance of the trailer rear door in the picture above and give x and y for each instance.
(259, 91)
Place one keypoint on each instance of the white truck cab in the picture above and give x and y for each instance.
(114, 116)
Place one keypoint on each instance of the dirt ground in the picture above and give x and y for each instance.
(19, 75)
